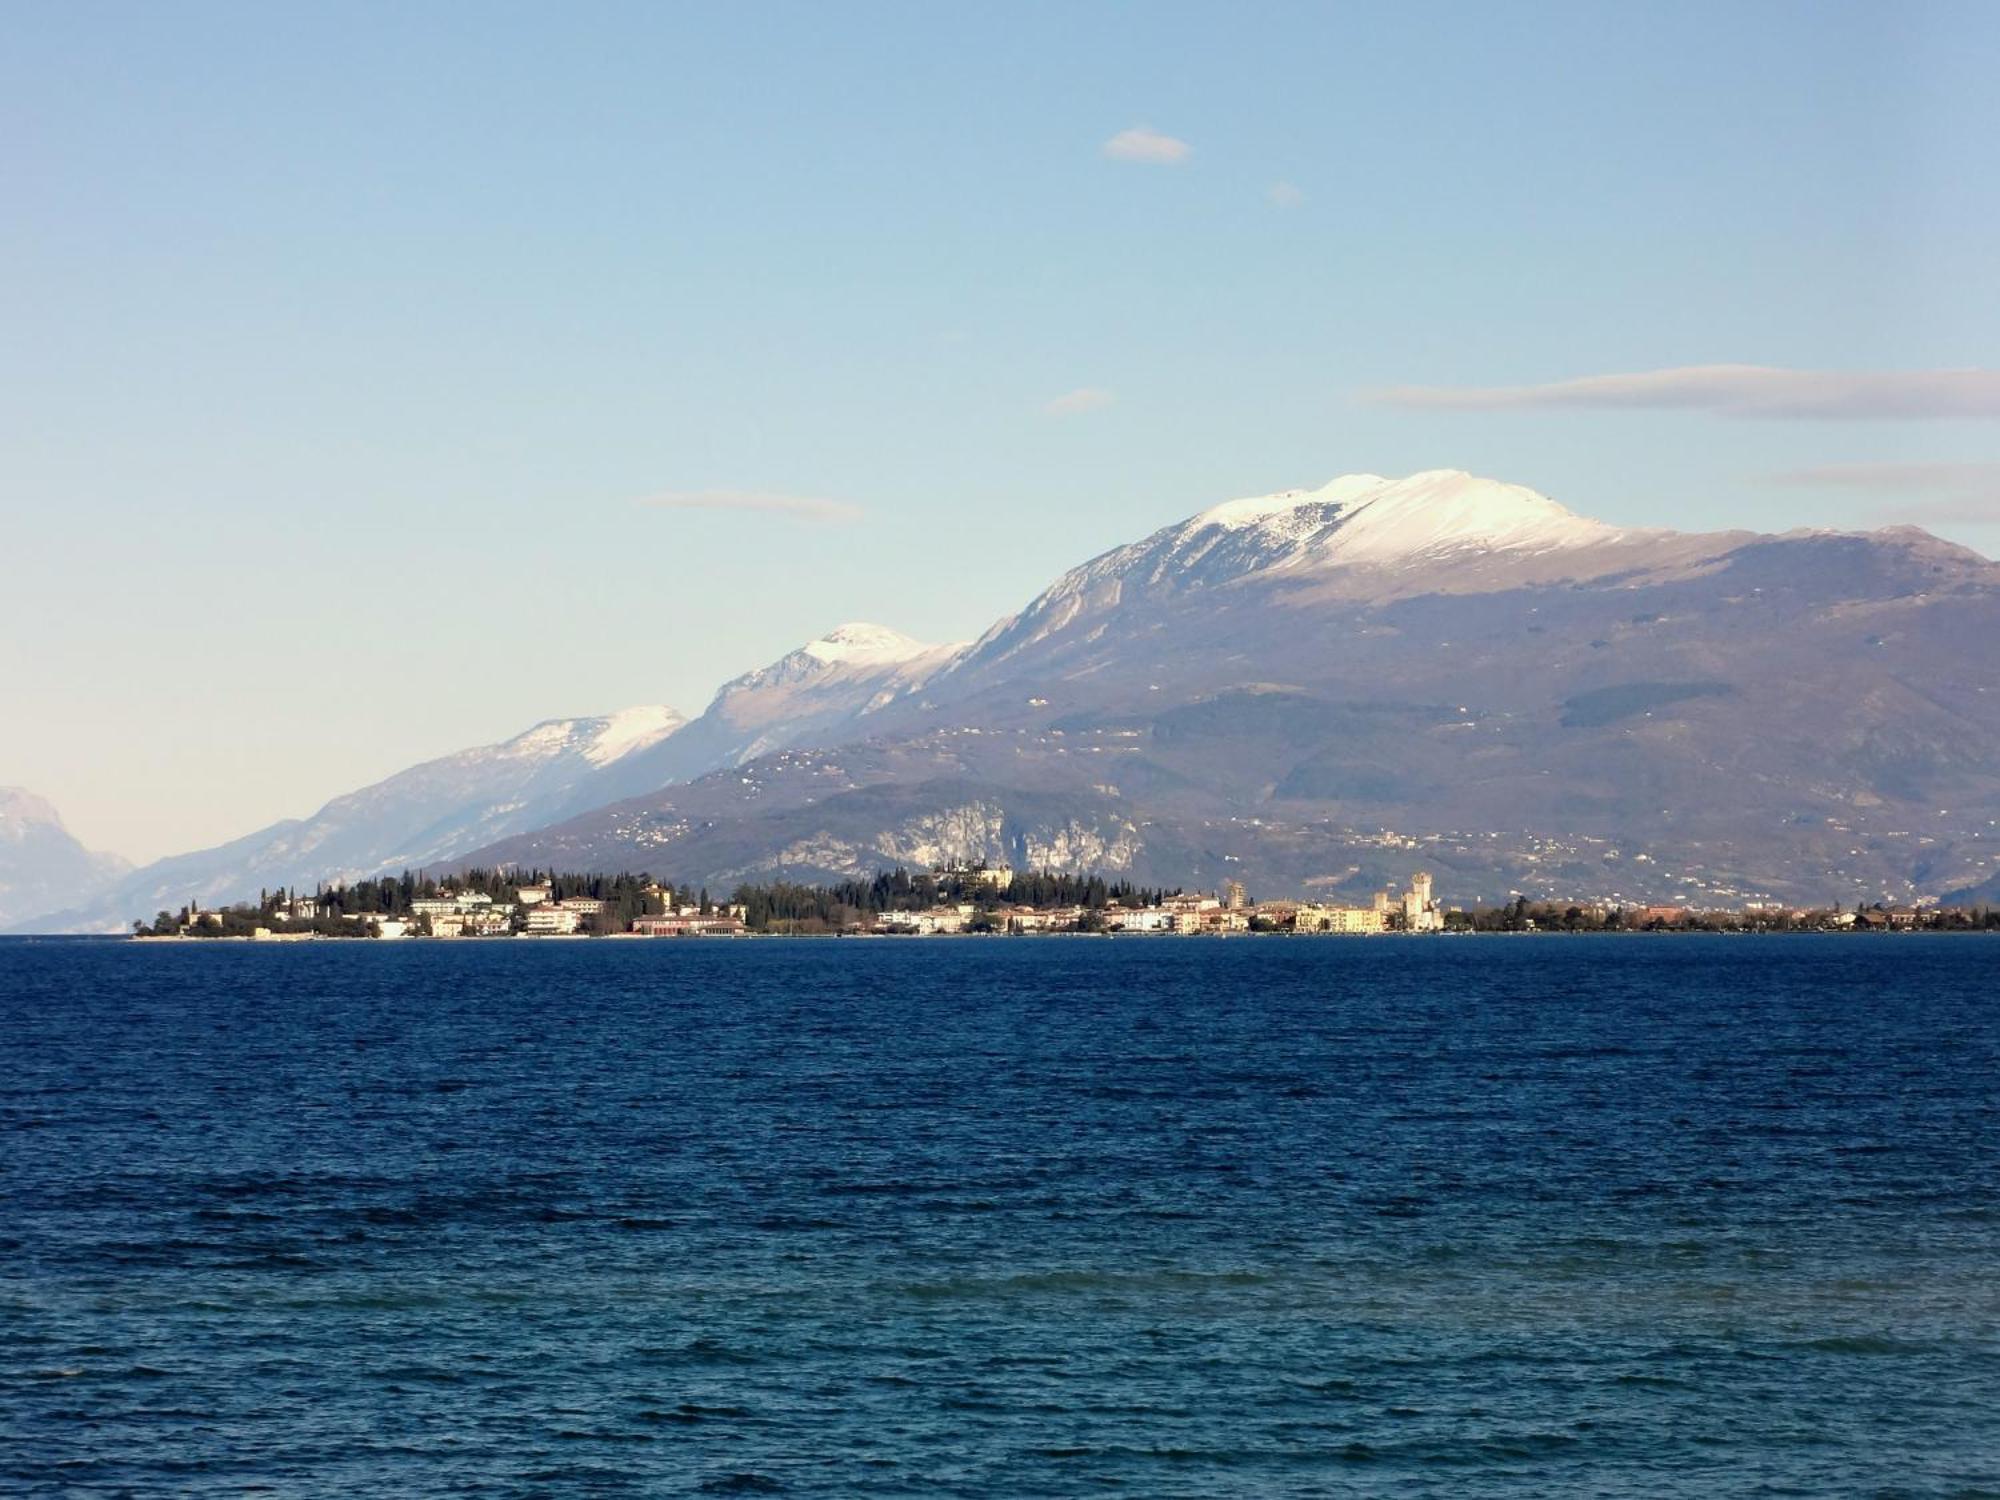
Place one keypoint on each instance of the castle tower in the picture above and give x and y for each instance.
(1420, 912)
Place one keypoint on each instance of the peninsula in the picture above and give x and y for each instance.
(947, 901)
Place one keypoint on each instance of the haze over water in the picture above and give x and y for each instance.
(1677, 1216)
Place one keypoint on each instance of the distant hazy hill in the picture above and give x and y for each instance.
(40, 862)
(1321, 689)
(435, 813)
(426, 815)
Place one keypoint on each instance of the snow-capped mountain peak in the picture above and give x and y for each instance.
(861, 644)
(1450, 510)
(1440, 518)
(1365, 518)
(1356, 520)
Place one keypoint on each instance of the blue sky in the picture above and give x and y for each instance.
(344, 342)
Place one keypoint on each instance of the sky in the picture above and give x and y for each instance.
(381, 379)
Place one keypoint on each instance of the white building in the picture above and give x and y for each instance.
(445, 902)
(1028, 919)
(1358, 919)
(936, 919)
(688, 924)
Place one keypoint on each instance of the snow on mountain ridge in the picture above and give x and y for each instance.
(631, 730)
(1363, 521)
(1288, 511)
(859, 642)
(599, 740)
(1364, 517)
(1447, 509)
(856, 650)
(1359, 519)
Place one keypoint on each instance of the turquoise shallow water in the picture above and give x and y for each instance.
(1620, 1217)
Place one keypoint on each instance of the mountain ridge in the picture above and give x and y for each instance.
(1732, 705)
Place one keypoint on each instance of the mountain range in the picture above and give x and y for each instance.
(436, 813)
(423, 816)
(1314, 691)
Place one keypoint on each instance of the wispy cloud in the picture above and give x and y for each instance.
(1966, 510)
(802, 507)
(1285, 195)
(1948, 493)
(1083, 399)
(1896, 476)
(1751, 391)
(1143, 143)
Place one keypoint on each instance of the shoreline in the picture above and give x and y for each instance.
(905, 937)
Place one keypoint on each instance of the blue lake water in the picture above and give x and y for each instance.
(1459, 1217)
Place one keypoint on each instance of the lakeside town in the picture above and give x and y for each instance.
(950, 901)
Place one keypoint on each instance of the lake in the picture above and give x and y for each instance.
(1639, 1216)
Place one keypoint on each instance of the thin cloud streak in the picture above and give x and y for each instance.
(1285, 195)
(1144, 144)
(1893, 476)
(811, 508)
(1759, 392)
(1969, 510)
(1957, 494)
(1083, 399)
